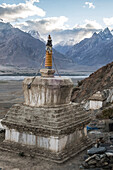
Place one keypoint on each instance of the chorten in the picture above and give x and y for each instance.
(47, 124)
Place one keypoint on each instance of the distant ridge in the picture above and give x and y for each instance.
(94, 51)
(97, 50)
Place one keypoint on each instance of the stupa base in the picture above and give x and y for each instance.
(55, 133)
(41, 153)
(47, 72)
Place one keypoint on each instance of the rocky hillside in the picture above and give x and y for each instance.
(97, 81)
(18, 48)
(97, 50)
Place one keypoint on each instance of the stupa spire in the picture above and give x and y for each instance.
(48, 60)
(48, 71)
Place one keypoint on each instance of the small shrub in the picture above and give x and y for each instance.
(97, 81)
(79, 83)
(106, 114)
(21, 154)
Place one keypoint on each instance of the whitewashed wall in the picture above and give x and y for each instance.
(50, 143)
(47, 91)
(95, 104)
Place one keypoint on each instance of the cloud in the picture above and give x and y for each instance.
(108, 21)
(71, 37)
(44, 25)
(89, 4)
(12, 12)
(91, 24)
(32, 1)
(78, 33)
(57, 27)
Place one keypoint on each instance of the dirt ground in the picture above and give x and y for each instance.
(10, 93)
(12, 161)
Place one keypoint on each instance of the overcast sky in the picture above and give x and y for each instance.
(65, 19)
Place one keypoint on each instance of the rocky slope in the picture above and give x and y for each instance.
(18, 48)
(97, 81)
(97, 50)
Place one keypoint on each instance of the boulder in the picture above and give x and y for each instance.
(95, 150)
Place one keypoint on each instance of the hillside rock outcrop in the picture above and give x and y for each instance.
(98, 81)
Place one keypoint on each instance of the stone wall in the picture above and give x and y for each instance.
(47, 123)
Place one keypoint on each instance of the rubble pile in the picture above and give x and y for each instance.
(99, 156)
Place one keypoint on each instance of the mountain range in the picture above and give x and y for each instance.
(21, 49)
(18, 48)
(97, 50)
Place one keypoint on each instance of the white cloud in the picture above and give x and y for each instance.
(89, 4)
(32, 1)
(89, 24)
(108, 21)
(56, 26)
(78, 33)
(12, 12)
(92, 24)
(44, 25)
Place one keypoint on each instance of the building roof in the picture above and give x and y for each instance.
(98, 96)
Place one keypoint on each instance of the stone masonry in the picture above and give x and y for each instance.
(54, 126)
(47, 124)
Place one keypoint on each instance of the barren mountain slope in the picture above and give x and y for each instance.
(97, 81)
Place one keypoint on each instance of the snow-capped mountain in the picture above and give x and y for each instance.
(36, 35)
(97, 50)
(106, 34)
